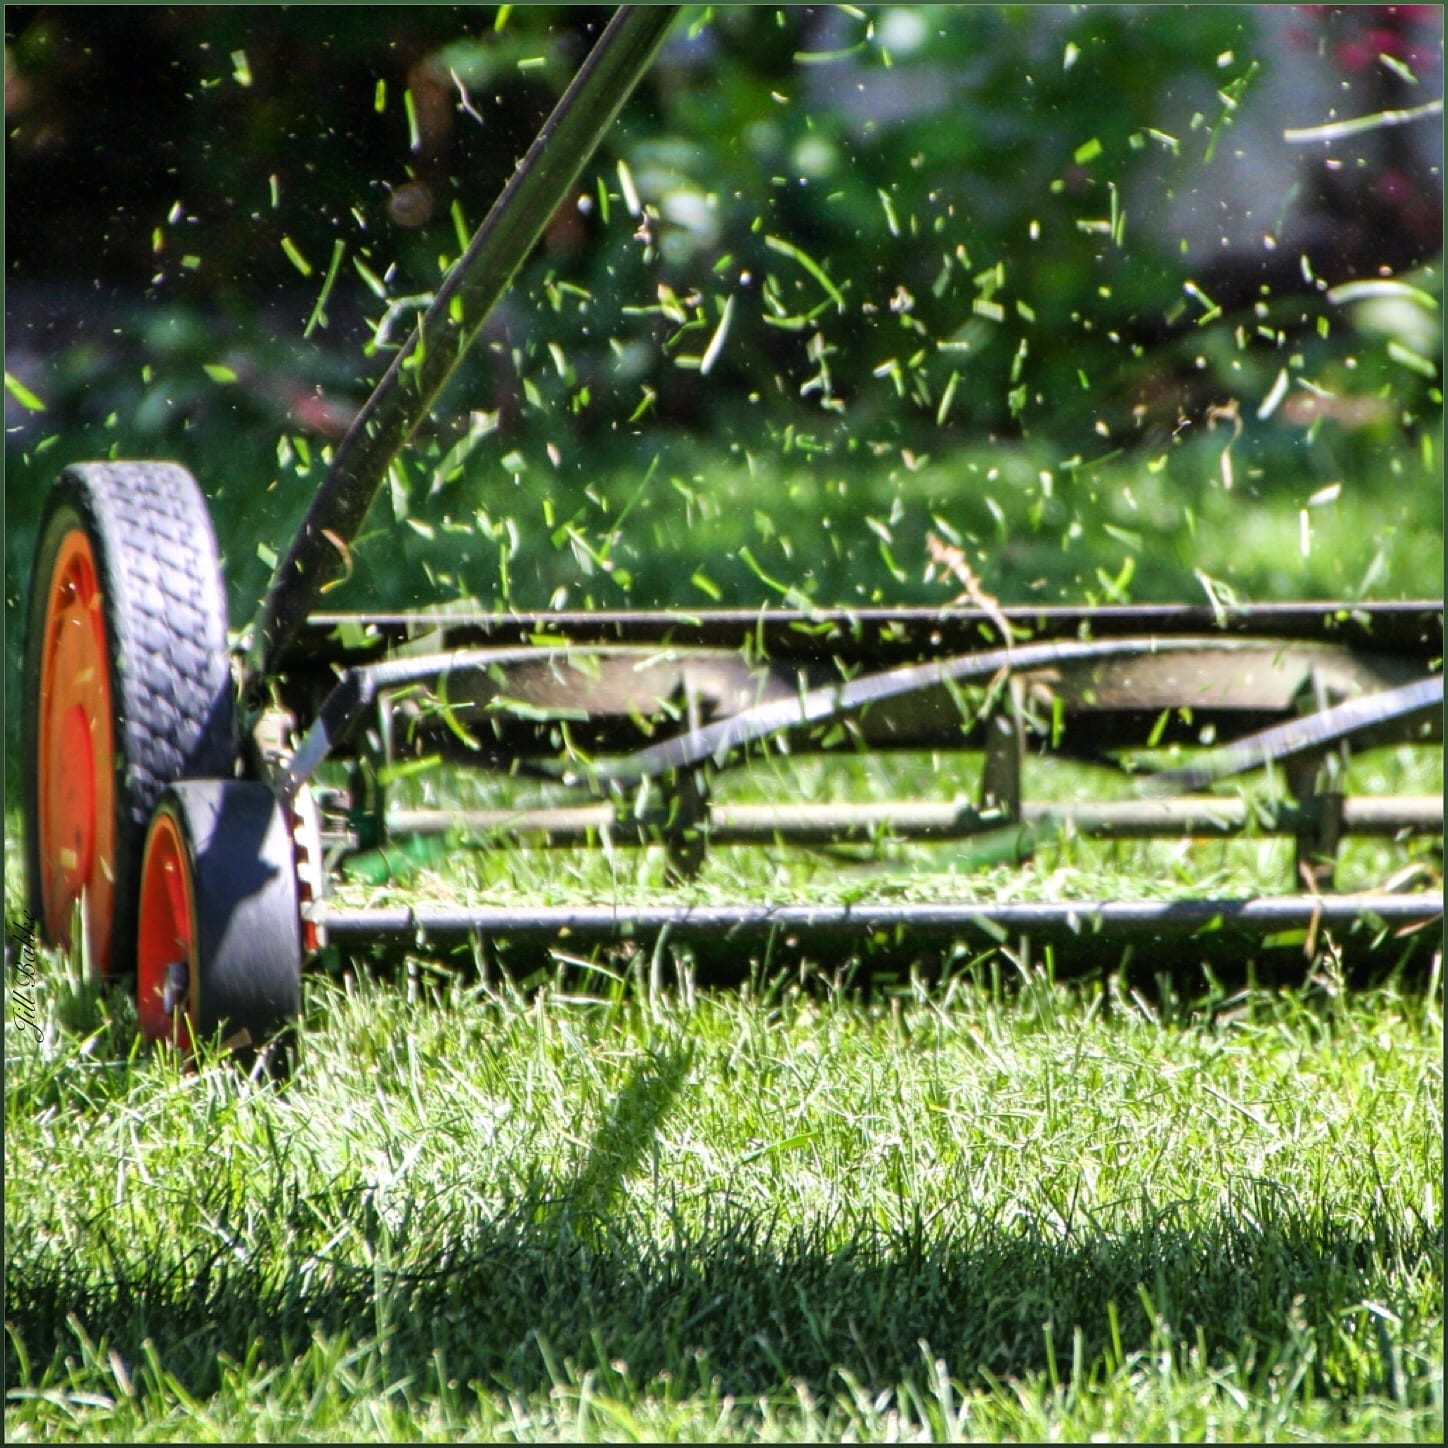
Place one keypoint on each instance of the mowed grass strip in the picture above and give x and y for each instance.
(945, 1212)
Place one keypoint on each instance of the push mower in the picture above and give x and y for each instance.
(174, 821)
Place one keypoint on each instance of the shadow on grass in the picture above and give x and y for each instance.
(730, 1304)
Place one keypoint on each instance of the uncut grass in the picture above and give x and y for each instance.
(943, 1211)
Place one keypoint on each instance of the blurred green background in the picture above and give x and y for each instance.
(1049, 282)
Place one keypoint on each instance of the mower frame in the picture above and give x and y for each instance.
(625, 718)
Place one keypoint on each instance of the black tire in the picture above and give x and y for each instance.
(171, 699)
(218, 894)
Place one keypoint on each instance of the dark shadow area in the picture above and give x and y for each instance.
(622, 1141)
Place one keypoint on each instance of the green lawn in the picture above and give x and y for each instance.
(594, 1205)
(604, 1203)
(948, 1212)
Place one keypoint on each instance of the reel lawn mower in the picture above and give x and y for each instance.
(175, 818)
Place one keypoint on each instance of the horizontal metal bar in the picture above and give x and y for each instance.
(879, 635)
(982, 923)
(739, 824)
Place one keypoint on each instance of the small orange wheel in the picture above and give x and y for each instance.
(127, 687)
(218, 941)
(166, 944)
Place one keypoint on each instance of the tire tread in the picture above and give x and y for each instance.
(166, 616)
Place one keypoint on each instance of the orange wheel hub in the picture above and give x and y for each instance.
(76, 763)
(166, 939)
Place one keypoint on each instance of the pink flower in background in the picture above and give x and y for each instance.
(1377, 30)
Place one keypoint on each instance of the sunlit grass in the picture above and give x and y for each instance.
(604, 1207)
(606, 1203)
(941, 1212)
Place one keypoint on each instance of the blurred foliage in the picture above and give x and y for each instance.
(825, 254)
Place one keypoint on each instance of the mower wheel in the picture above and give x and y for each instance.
(127, 687)
(218, 944)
